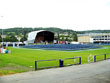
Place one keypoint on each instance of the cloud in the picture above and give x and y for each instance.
(70, 14)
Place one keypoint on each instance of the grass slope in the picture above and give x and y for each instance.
(22, 60)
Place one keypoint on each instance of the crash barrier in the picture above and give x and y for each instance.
(59, 61)
(104, 58)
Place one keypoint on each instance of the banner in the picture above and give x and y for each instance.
(13, 44)
(17, 44)
(6, 44)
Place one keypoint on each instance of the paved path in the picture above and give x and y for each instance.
(98, 72)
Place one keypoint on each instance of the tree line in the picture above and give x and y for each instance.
(11, 37)
(22, 30)
(21, 33)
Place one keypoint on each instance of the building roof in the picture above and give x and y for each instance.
(93, 34)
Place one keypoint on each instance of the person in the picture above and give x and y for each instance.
(41, 42)
(4, 50)
(46, 42)
(0, 49)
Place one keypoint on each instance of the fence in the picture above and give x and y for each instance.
(60, 61)
(36, 63)
(75, 61)
(104, 58)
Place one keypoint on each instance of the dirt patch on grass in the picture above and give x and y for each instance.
(16, 68)
(13, 68)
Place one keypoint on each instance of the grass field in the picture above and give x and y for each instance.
(22, 60)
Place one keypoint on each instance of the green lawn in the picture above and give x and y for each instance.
(22, 60)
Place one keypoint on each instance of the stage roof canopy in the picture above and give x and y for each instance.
(40, 36)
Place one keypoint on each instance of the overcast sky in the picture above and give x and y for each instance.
(67, 14)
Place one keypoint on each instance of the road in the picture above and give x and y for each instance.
(98, 72)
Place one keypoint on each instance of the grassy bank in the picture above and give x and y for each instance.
(22, 60)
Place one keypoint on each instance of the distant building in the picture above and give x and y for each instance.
(103, 38)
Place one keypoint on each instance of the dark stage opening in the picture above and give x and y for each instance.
(44, 36)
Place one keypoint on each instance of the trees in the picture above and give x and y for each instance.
(13, 39)
(0, 38)
(7, 39)
(18, 30)
(62, 37)
(23, 39)
(19, 36)
(10, 37)
(75, 38)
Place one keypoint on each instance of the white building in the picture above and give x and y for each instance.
(94, 38)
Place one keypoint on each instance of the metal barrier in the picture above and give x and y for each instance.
(73, 58)
(105, 57)
(36, 63)
(61, 62)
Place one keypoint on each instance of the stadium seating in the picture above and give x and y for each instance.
(62, 46)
